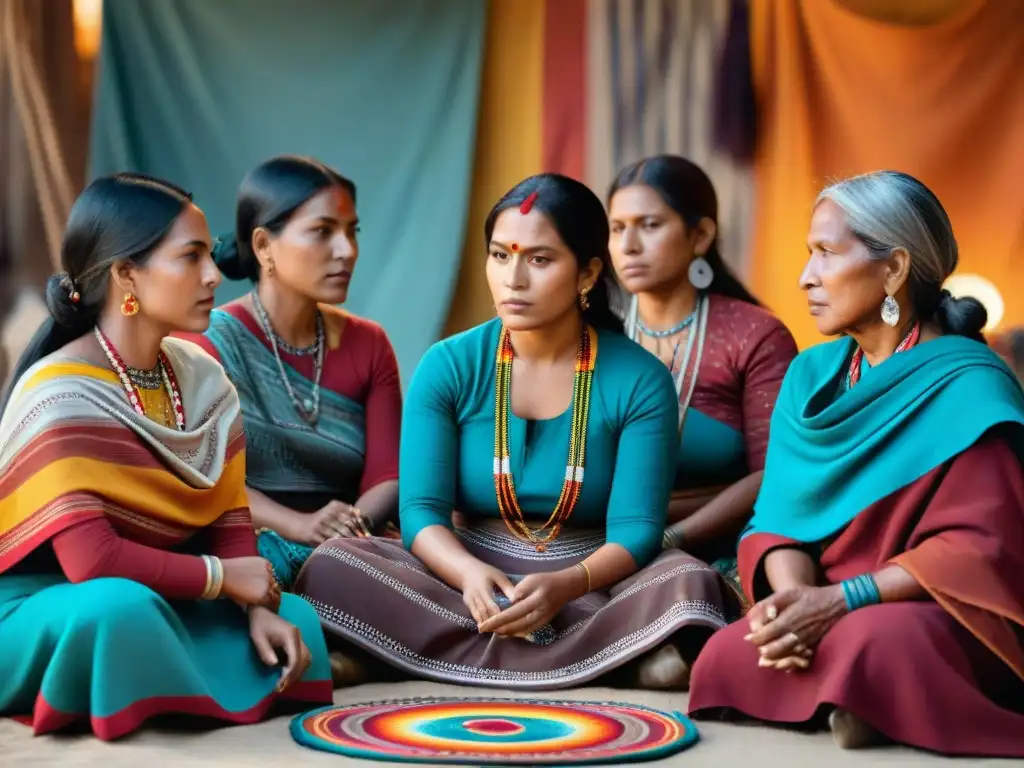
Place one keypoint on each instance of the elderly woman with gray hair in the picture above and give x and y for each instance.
(887, 542)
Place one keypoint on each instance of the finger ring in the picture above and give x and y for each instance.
(771, 613)
(794, 638)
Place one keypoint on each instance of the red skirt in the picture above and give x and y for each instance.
(908, 669)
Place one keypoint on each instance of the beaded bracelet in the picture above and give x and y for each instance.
(860, 591)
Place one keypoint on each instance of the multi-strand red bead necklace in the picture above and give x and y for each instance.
(134, 396)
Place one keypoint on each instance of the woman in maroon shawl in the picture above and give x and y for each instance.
(887, 544)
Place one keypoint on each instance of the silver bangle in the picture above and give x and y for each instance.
(671, 539)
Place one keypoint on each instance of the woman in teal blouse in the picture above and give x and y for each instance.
(553, 436)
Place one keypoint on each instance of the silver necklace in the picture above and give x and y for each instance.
(679, 327)
(151, 379)
(309, 408)
(694, 343)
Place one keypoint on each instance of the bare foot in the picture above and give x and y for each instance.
(346, 671)
(664, 669)
(850, 732)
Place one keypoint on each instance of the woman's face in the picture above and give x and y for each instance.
(315, 254)
(176, 284)
(845, 286)
(650, 245)
(534, 278)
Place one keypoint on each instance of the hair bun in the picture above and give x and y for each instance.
(65, 311)
(229, 260)
(964, 316)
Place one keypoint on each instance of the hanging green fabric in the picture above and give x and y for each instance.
(200, 92)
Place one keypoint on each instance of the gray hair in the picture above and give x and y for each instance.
(887, 210)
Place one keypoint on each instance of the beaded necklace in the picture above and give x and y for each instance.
(504, 486)
(685, 370)
(679, 327)
(131, 390)
(857, 361)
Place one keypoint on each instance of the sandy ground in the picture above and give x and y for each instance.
(269, 743)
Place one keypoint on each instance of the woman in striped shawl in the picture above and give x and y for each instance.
(123, 513)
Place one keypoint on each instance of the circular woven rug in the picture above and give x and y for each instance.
(495, 731)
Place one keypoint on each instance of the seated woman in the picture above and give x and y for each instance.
(887, 543)
(129, 580)
(319, 387)
(726, 354)
(555, 578)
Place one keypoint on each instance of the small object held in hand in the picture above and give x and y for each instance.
(544, 635)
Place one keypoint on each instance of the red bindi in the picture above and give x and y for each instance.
(515, 247)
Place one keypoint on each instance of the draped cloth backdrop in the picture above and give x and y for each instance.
(42, 150)
(626, 79)
(840, 94)
(200, 92)
(584, 87)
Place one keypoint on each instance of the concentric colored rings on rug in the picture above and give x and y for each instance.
(485, 731)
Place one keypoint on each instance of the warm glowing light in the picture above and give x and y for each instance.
(984, 291)
(88, 27)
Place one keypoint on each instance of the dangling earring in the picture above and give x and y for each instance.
(701, 274)
(890, 311)
(270, 268)
(584, 301)
(130, 305)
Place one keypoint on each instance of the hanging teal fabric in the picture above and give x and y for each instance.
(199, 92)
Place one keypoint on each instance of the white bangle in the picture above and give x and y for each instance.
(214, 578)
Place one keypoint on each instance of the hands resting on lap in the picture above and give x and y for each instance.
(534, 601)
(788, 626)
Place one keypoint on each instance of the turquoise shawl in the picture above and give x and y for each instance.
(833, 453)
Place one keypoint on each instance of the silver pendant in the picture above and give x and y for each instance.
(890, 311)
(308, 405)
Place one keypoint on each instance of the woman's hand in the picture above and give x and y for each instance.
(336, 519)
(788, 626)
(250, 581)
(269, 632)
(535, 601)
(478, 586)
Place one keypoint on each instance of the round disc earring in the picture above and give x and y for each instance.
(700, 273)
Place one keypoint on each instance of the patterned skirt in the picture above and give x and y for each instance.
(379, 597)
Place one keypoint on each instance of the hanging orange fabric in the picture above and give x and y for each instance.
(841, 94)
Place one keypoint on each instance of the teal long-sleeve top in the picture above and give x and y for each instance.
(447, 449)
